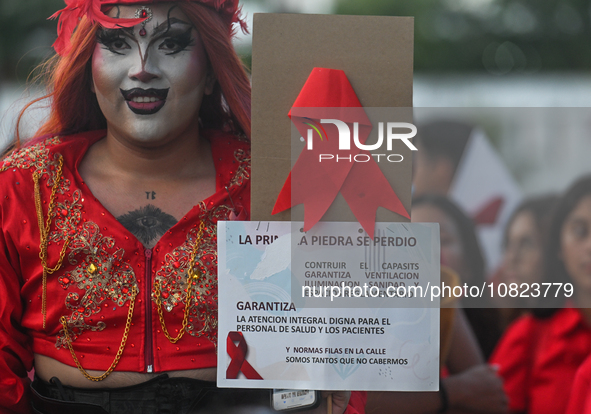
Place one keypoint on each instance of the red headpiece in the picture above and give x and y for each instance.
(93, 10)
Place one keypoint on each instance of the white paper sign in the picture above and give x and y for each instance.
(272, 334)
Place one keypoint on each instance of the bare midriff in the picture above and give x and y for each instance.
(47, 368)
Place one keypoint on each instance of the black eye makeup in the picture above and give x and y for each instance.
(114, 40)
(175, 41)
(171, 37)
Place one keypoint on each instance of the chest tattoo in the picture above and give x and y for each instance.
(147, 223)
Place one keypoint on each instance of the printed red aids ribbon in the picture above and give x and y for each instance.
(328, 96)
(238, 360)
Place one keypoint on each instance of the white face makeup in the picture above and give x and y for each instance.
(150, 83)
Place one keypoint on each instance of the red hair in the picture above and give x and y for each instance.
(74, 108)
(230, 100)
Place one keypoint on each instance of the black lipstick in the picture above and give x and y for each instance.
(155, 102)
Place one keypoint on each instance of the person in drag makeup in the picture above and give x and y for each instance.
(108, 217)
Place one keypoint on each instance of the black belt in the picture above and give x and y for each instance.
(161, 395)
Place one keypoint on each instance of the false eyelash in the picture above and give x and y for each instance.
(108, 36)
(183, 40)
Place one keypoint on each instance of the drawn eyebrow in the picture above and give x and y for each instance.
(165, 26)
(128, 31)
(102, 32)
(159, 30)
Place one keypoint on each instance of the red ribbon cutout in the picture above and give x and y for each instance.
(327, 94)
(238, 360)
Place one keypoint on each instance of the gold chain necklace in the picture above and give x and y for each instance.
(64, 322)
(44, 229)
(193, 276)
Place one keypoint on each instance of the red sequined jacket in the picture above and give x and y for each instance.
(107, 283)
(107, 280)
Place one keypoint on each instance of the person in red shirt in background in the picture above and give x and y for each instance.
(540, 353)
(580, 396)
(472, 386)
(460, 251)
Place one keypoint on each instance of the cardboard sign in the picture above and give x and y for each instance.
(374, 60)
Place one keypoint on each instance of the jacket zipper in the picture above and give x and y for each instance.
(149, 358)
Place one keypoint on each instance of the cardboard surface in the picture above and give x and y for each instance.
(376, 54)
